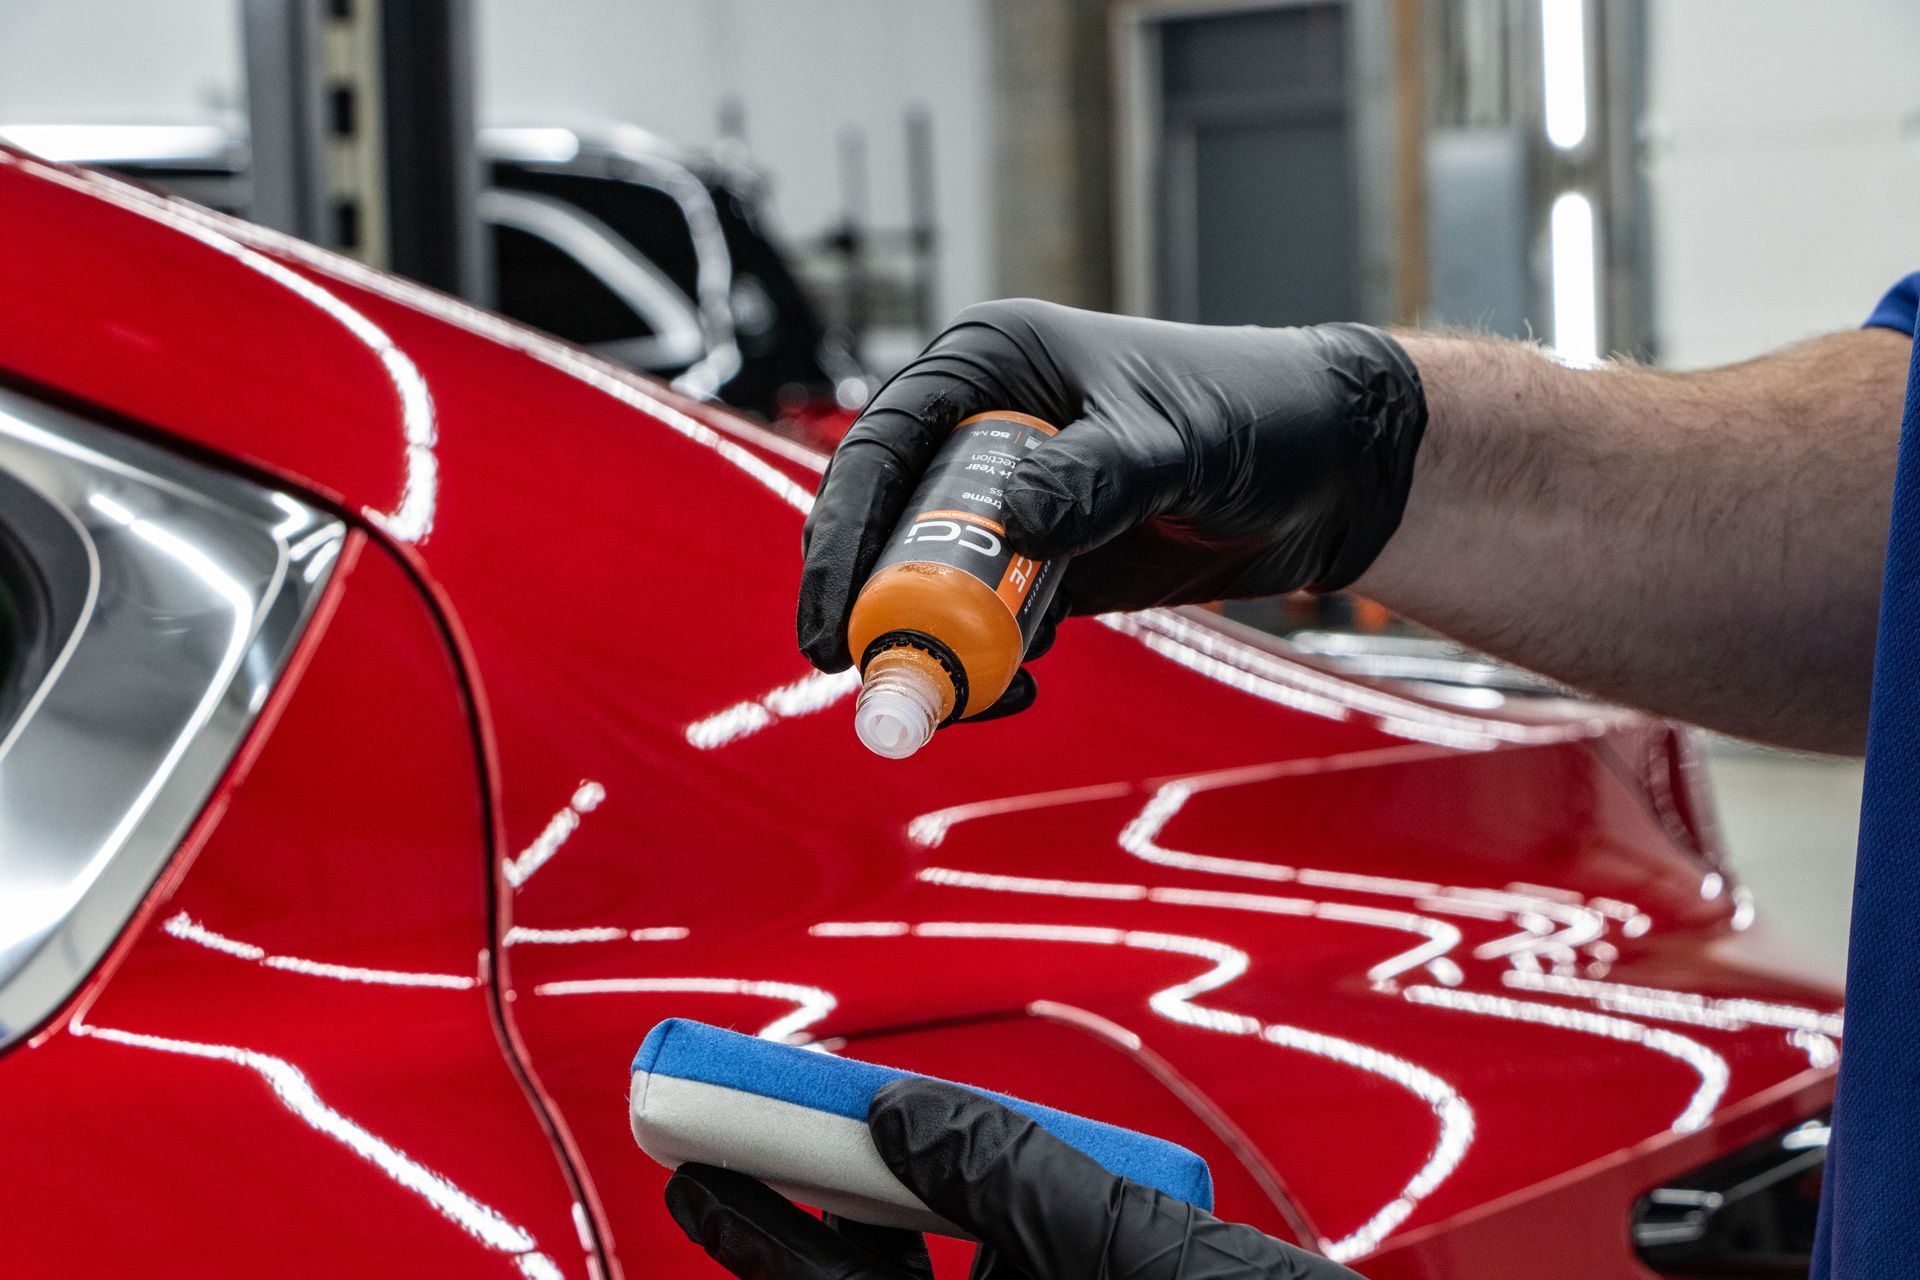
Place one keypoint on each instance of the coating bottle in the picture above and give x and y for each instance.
(946, 617)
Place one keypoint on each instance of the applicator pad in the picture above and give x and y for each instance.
(797, 1120)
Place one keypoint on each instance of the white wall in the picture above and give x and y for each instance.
(803, 71)
(88, 62)
(1786, 168)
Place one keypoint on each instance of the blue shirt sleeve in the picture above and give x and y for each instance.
(1897, 310)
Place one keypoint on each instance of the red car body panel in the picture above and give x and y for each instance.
(239, 1089)
(1428, 986)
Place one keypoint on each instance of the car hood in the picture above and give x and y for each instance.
(1401, 959)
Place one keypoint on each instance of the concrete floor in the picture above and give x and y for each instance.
(1789, 823)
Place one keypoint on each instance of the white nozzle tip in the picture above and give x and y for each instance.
(891, 721)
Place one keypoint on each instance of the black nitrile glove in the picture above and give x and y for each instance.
(1194, 462)
(1041, 1210)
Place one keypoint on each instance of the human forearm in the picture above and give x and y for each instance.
(1706, 545)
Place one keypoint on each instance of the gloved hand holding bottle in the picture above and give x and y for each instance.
(1040, 1209)
(1194, 463)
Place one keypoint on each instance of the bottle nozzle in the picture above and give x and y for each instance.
(904, 696)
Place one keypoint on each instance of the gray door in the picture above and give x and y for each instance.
(1258, 221)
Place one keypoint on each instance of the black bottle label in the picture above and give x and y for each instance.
(957, 516)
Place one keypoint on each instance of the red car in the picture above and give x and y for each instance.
(399, 715)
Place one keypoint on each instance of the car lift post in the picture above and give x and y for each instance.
(362, 133)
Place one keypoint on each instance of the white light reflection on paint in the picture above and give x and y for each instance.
(1461, 907)
(742, 720)
(1270, 904)
(412, 518)
(537, 1266)
(1442, 937)
(520, 935)
(948, 877)
(930, 828)
(1452, 1113)
(1710, 1066)
(291, 1087)
(1577, 925)
(1220, 657)
(810, 693)
(810, 1003)
(1574, 925)
(187, 929)
(1682, 1006)
(1607, 906)
(1140, 838)
(1821, 1051)
(1176, 1002)
(1811, 1134)
(1551, 892)
(1744, 910)
(1270, 684)
(1539, 936)
(1567, 925)
(1358, 882)
(1449, 1108)
(861, 929)
(559, 829)
(377, 977)
(584, 1230)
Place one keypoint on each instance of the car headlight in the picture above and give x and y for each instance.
(1747, 1215)
(147, 604)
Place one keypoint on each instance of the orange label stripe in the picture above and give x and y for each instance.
(967, 516)
(1008, 415)
(1016, 582)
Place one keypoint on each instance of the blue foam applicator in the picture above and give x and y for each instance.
(797, 1120)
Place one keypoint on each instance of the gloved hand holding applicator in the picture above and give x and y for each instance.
(1041, 1210)
(1192, 463)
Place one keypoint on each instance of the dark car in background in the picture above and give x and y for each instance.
(653, 256)
(660, 260)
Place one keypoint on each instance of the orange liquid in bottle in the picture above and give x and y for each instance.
(942, 625)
